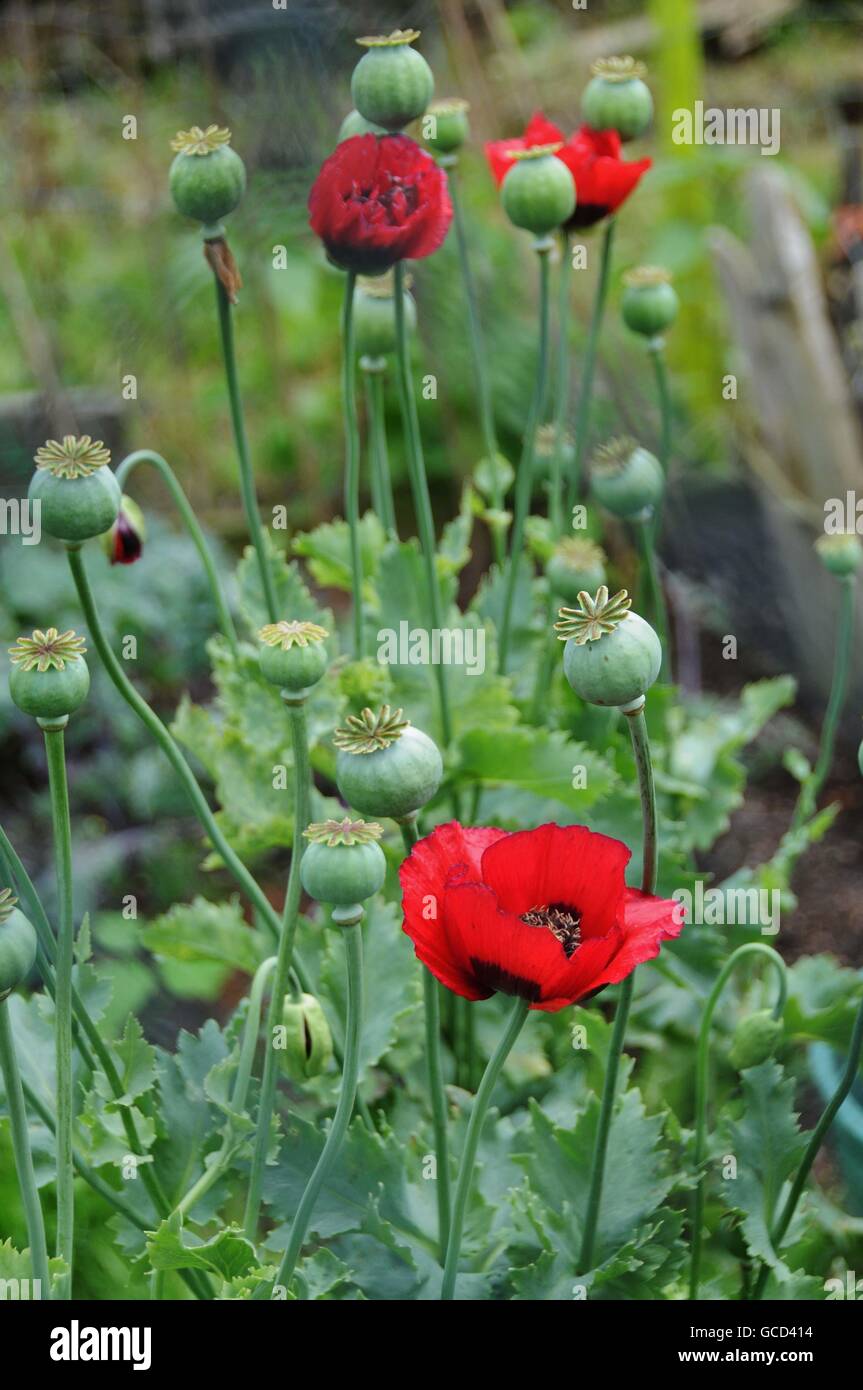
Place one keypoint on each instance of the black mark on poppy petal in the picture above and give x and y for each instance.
(490, 975)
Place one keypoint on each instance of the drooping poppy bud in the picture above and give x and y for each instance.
(124, 543)
(49, 678)
(343, 863)
(626, 479)
(612, 656)
(384, 766)
(618, 98)
(392, 84)
(78, 495)
(756, 1038)
(207, 178)
(17, 944)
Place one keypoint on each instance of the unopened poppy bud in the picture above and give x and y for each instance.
(49, 678)
(207, 178)
(494, 473)
(384, 766)
(446, 128)
(343, 863)
(17, 944)
(308, 1042)
(78, 494)
(612, 656)
(650, 304)
(375, 315)
(124, 543)
(575, 565)
(626, 479)
(841, 554)
(293, 655)
(756, 1038)
(392, 84)
(618, 98)
(355, 124)
(538, 192)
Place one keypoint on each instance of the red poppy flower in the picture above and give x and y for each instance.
(602, 179)
(544, 914)
(378, 200)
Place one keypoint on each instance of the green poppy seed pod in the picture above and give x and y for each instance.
(375, 315)
(293, 655)
(355, 124)
(756, 1038)
(626, 479)
(207, 178)
(343, 863)
(538, 192)
(77, 494)
(612, 656)
(576, 565)
(392, 84)
(385, 767)
(17, 944)
(49, 678)
(446, 126)
(308, 1049)
(841, 554)
(617, 97)
(545, 447)
(650, 304)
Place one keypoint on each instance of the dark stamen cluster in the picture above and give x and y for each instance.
(562, 921)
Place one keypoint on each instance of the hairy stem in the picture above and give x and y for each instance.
(381, 479)
(23, 1155)
(588, 370)
(352, 459)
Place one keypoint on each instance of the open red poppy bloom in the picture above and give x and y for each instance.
(378, 200)
(602, 179)
(544, 914)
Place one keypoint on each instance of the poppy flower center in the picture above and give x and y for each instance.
(563, 921)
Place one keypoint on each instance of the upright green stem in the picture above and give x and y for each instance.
(420, 490)
(647, 791)
(284, 961)
(240, 1091)
(23, 1155)
(347, 1096)
(643, 528)
(849, 1076)
(190, 521)
(381, 479)
(702, 1078)
(585, 395)
(247, 481)
(656, 349)
(352, 458)
(434, 1067)
(524, 477)
(809, 791)
(478, 353)
(471, 1142)
(62, 832)
(561, 404)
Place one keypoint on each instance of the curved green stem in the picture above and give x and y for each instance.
(588, 370)
(481, 1103)
(240, 1091)
(284, 960)
(702, 1077)
(650, 848)
(344, 1109)
(434, 1067)
(561, 404)
(169, 747)
(352, 459)
(478, 354)
(849, 1076)
(381, 479)
(420, 489)
(247, 482)
(809, 791)
(644, 533)
(62, 832)
(190, 521)
(23, 1156)
(524, 477)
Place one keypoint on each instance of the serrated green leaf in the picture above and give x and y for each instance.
(228, 1254)
(203, 931)
(543, 762)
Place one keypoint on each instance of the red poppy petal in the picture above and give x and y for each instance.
(500, 952)
(559, 864)
(499, 155)
(646, 922)
(581, 975)
(541, 131)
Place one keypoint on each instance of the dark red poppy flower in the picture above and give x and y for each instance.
(602, 179)
(544, 914)
(378, 200)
